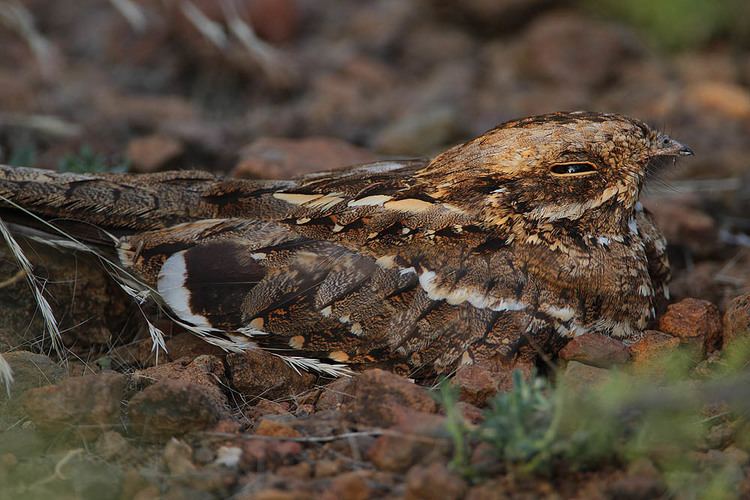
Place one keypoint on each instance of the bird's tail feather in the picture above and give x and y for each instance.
(88, 206)
(90, 213)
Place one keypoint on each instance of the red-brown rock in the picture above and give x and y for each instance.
(418, 440)
(205, 371)
(268, 454)
(275, 428)
(349, 486)
(382, 398)
(30, 370)
(651, 347)
(693, 320)
(259, 373)
(186, 344)
(582, 377)
(91, 402)
(153, 152)
(595, 350)
(279, 158)
(471, 413)
(476, 384)
(505, 374)
(172, 408)
(335, 394)
(434, 481)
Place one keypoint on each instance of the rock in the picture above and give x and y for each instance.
(111, 445)
(581, 377)
(652, 347)
(187, 344)
(227, 456)
(30, 370)
(83, 294)
(90, 403)
(138, 353)
(736, 321)
(382, 398)
(267, 407)
(335, 394)
(505, 373)
(205, 371)
(153, 152)
(178, 457)
(642, 480)
(554, 51)
(398, 453)
(494, 489)
(302, 470)
(417, 440)
(434, 481)
(327, 468)
(471, 413)
(258, 373)
(693, 320)
(595, 350)
(275, 428)
(279, 158)
(172, 408)
(476, 384)
(349, 486)
(268, 455)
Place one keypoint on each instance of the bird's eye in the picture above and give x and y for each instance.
(578, 168)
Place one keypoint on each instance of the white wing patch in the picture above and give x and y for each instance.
(171, 286)
(296, 198)
(380, 167)
(455, 296)
(370, 201)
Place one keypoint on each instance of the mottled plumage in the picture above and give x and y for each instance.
(507, 245)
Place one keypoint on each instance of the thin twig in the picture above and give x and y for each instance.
(325, 439)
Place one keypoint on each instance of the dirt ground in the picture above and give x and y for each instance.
(274, 88)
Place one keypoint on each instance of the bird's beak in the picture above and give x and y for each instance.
(666, 146)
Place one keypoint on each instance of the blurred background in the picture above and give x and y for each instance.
(272, 88)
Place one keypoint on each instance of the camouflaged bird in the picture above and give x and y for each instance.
(507, 245)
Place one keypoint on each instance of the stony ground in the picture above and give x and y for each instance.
(327, 83)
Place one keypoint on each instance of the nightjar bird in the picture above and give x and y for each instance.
(500, 248)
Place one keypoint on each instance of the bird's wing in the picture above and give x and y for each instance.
(305, 296)
(655, 246)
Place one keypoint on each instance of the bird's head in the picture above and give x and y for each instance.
(551, 167)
